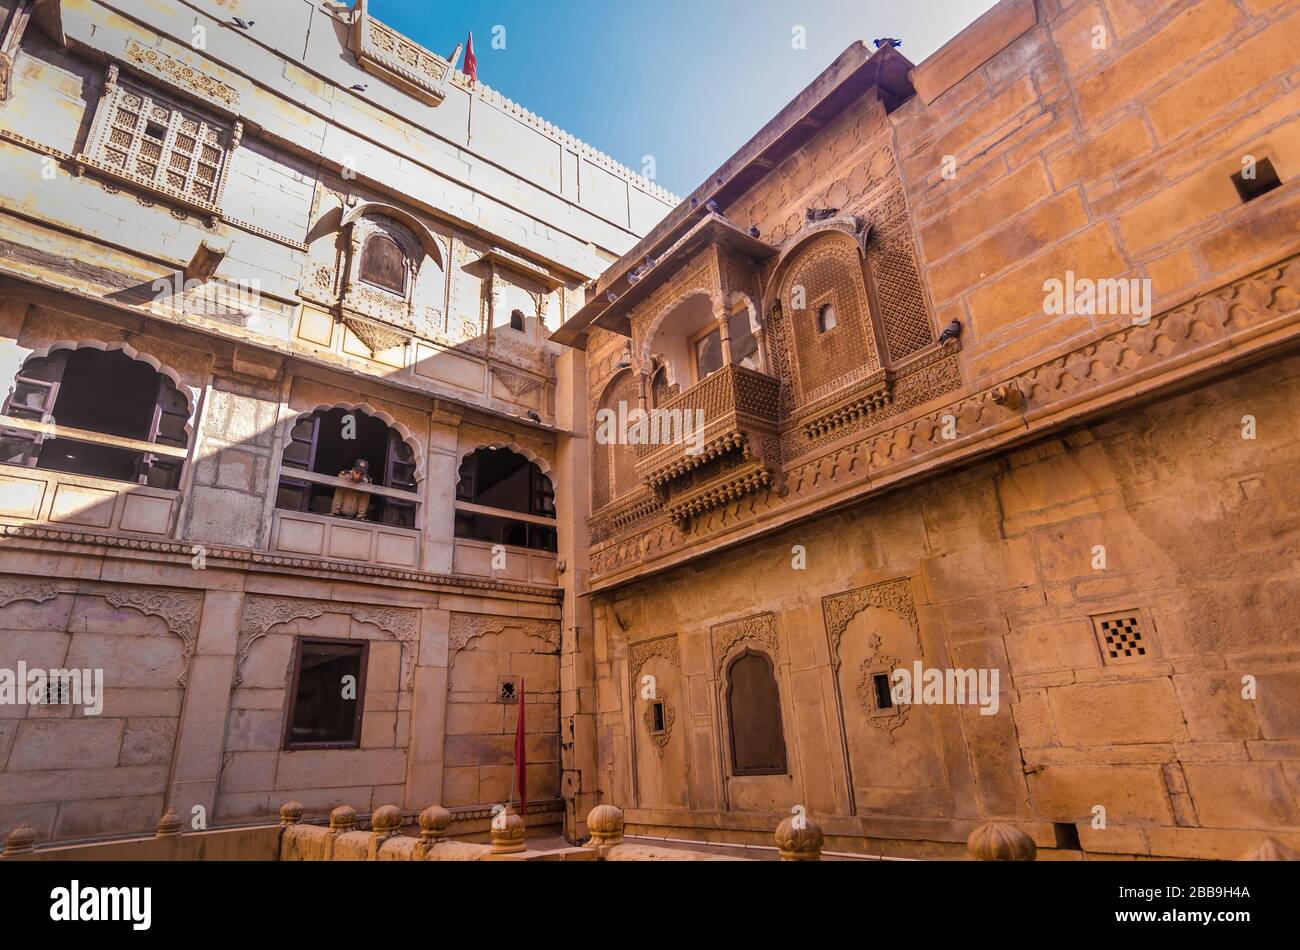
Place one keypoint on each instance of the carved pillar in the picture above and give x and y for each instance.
(724, 332)
(642, 391)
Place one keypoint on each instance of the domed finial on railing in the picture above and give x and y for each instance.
(799, 838)
(386, 821)
(290, 814)
(434, 822)
(1000, 841)
(1270, 849)
(169, 825)
(508, 832)
(343, 818)
(605, 825)
(22, 840)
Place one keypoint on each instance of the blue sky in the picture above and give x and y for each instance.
(685, 81)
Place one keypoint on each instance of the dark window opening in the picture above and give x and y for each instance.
(657, 719)
(326, 698)
(1067, 836)
(1265, 180)
(317, 443)
(106, 393)
(517, 320)
(744, 345)
(754, 712)
(507, 482)
(708, 354)
(884, 697)
(660, 391)
(826, 318)
(383, 264)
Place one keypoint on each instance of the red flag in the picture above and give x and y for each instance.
(471, 61)
(521, 756)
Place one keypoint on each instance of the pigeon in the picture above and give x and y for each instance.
(888, 41)
(950, 332)
(534, 416)
(754, 232)
(611, 297)
(359, 86)
(241, 23)
(622, 365)
(711, 205)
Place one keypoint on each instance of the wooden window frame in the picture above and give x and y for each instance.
(152, 452)
(380, 235)
(287, 745)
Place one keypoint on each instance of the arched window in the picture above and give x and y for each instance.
(517, 320)
(660, 391)
(754, 714)
(321, 470)
(504, 498)
(383, 263)
(96, 412)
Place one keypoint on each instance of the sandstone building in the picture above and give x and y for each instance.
(234, 267)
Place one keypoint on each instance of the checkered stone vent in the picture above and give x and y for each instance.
(1124, 636)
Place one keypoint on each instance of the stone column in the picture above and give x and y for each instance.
(724, 331)
(201, 735)
(578, 759)
(424, 766)
(438, 514)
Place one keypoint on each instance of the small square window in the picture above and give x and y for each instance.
(1255, 180)
(326, 696)
(508, 689)
(517, 320)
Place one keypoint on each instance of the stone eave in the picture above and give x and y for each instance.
(181, 553)
(853, 74)
(1186, 366)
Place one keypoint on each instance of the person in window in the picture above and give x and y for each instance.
(348, 502)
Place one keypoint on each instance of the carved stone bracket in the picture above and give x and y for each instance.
(465, 627)
(839, 609)
(759, 629)
(180, 611)
(13, 591)
(263, 613)
(639, 653)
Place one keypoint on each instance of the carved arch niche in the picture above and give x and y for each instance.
(890, 748)
(659, 724)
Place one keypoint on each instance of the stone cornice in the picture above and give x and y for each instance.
(246, 559)
(1245, 319)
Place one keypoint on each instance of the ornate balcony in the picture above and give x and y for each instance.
(738, 451)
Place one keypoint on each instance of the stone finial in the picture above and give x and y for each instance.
(605, 824)
(343, 818)
(169, 825)
(508, 833)
(290, 814)
(799, 838)
(434, 822)
(1000, 841)
(386, 821)
(22, 840)
(1270, 849)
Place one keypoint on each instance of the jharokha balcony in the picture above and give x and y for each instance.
(736, 453)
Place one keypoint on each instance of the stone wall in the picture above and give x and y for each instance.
(997, 567)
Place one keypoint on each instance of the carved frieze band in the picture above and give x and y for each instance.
(179, 610)
(183, 75)
(261, 614)
(465, 627)
(759, 629)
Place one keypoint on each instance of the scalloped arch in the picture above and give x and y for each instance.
(408, 437)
